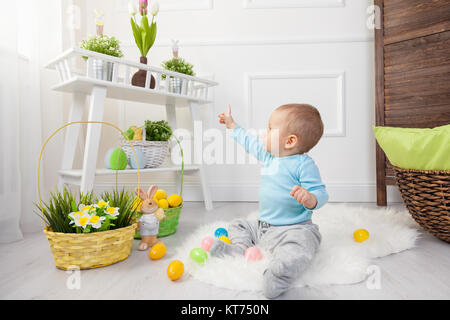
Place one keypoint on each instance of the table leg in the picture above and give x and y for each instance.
(195, 116)
(72, 133)
(97, 105)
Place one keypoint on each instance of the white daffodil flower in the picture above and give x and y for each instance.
(154, 8)
(96, 221)
(73, 215)
(113, 211)
(84, 209)
(102, 204)
(81, 220)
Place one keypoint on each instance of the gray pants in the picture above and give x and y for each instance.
(292, 247)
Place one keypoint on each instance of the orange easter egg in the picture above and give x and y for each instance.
(175, 270)
(157, 251)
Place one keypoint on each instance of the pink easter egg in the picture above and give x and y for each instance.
(206, 243)
(253, 254)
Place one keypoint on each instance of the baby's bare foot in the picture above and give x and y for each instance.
(220, 248)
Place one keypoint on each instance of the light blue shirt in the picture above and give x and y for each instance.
(278, 176)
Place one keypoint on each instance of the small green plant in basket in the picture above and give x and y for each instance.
(66, 213)
(157, 130)
(178, 65)
(102, 44)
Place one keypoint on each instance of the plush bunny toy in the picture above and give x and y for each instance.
(151, 216)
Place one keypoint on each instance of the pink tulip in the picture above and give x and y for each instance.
(143, 4)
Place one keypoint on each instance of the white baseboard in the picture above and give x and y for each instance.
(249, 192)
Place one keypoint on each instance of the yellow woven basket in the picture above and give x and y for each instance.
(88, 250)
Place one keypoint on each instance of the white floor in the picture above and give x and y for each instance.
(27, 271)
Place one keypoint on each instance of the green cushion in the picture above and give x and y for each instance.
(420, 149)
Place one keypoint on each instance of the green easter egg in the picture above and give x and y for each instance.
(118, 159)
(198, 255)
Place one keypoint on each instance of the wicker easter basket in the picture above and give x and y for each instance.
(426, 194)
(155, 152)
(88, 250)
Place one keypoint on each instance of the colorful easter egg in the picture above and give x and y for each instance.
(253, 254)
(175, 270)
(225, 239)
(361, 235)
(198, 255)
(108, 157)
(157, 251)
(118, 159)
(175, 200)
(221, 232)
(140, 158)
(163, 203)
(207, 243)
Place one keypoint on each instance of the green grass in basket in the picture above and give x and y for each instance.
(56, 210)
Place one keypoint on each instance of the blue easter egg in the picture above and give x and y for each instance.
(108, 157)
(221, 232)
(140, 157)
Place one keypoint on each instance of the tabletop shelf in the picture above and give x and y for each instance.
(121, 91)
(77, 173)
(118, 79)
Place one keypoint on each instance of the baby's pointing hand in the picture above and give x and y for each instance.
(227, 119)
(304, 197)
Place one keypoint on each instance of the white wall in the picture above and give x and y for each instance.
(265, 53)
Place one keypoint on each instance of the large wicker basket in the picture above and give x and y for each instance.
(155, 151)
(426, 194)
(90, 250)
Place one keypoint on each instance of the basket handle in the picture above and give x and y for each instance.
(81, 122)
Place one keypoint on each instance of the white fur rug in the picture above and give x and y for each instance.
(340, 259)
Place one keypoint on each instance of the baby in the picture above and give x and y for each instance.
(291, 188)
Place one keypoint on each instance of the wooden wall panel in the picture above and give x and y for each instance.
(412, 71)
(408, 19)
(417, 86)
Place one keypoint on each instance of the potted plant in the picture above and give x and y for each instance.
(105, 225)
(154, 141)
(177, 65)
(144, 36)
(101, 43)
(103, 70)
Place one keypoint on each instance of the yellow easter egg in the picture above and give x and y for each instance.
(361, 235)
(157, 251)
(225, 239)
(163, 204)
(175, 270)
(161, 194)
(175, 200)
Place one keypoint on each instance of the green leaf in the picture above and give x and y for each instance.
(74, 206)
(152, 35)
(137, 35)
(145, 35)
